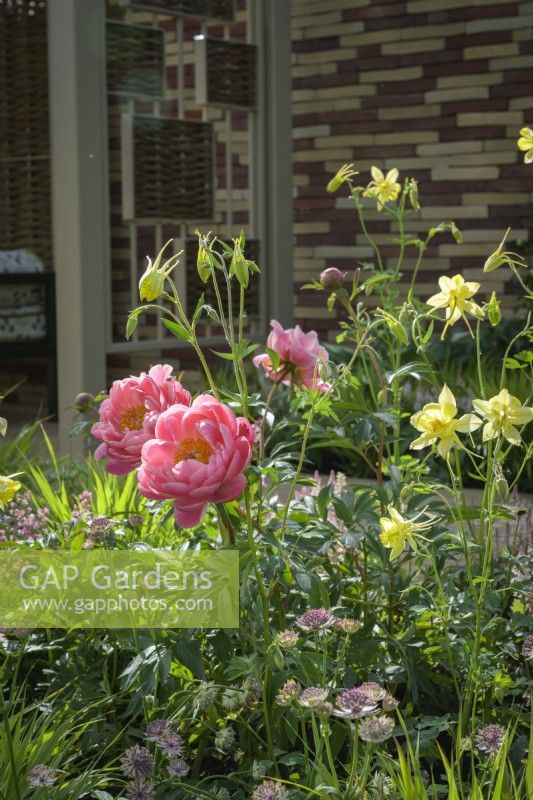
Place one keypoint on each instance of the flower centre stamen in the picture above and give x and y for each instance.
(132, 418)
(197, 449)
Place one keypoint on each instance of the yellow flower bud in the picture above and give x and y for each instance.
(493, 310)
(345, 173)
(152, 283)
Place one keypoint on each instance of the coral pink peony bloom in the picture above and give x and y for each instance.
(128, 416)
(197, 457)
(299, 354)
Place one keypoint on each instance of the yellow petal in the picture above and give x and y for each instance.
(447, 401)
(376, 174)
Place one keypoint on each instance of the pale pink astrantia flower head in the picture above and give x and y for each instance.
(128, 416)
(300, 357)
(197, 456)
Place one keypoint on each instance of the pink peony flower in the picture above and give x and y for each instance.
(197, 457)
(129, 415)
(299, 354)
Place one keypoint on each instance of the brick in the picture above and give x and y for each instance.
(491, 51)
(457, 93)
(518, 62)
(413, 47)
(406, 137)
(313, 130)
(406, 74)
(474, 159)
(451, 81)
(447, 212)
(502, 198)
(447, 148)
(409, 112)
(479, 118)
(465, 174)
(499, 23)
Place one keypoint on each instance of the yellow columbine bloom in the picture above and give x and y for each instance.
(525, 143)
(383, 188)
(345, 173)
(436, 422)
(8, 489)
(455, 297)
(503, 412)
(397, 531)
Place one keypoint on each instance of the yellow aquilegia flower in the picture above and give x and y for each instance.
(455, 296)
(345, 173)
(397, 531)
(525, 143)
(8, 489)
(383, 188)
(503, 412)
(437, 423)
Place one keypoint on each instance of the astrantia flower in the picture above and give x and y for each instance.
(313, 697)
(300, 358)
(129, 415)
(287, 638)
(455, 297)
(345, 173)
(380, 785)
(270, 790)
(380, 695)
(290, 691)
(225, 738)
(137, 762)
(383, 188)
(376, 729)
(527, 648)
(206, 694)
(315, 619)
(347, 625)
(525, 143)
(8, 489)
(355, 703)
(156, 729)
(398, 531)
(170, 744)
(42, 775)
(140, 790)
(436, 422)
(178, 768)
(197, 456)
(490, 738)
(503, 412)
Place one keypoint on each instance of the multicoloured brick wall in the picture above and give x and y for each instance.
(437, 88)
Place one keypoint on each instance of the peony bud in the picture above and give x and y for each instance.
(83, 400)
(332, 279)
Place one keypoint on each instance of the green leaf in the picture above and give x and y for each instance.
(178, 330)
(198, 310)
(227, 356)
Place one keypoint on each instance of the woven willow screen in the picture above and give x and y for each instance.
(226, 73)
(134, 60)
(25, 220)
(209, 9)
(172, 167)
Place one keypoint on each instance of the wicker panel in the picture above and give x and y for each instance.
(195, 286)
(173, 169)
(135, 60)
(24, 140)
(230, 70)
(210, 9)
